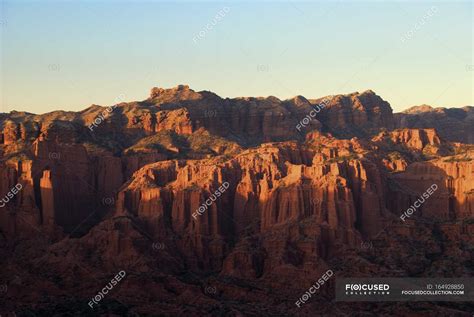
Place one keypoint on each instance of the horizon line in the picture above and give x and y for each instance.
(239, 97)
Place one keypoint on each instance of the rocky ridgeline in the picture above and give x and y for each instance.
(295, 202)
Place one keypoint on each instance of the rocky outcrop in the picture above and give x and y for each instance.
(269, 187)
(453, 124)
(355, 114)
(453, 199)
(11, 132)
(421, 141)
(415, 139)
(61, 185)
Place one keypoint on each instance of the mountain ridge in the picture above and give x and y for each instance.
(129, 189)
(210, 93)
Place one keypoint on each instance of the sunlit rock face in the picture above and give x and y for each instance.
(206, 200)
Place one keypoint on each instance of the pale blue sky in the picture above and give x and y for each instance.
(69, 55)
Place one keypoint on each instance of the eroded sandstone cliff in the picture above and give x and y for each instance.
(124, 189)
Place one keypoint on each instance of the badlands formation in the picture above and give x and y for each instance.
(111, 189)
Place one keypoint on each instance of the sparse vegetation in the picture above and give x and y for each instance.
(463, 149)
(458, 159)
(200, 144)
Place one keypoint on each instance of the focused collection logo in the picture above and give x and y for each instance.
(366, 289)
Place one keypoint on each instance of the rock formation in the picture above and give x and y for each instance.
(139, 187)
(444, 120)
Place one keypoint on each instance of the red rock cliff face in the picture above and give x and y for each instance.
(62, 185)
(453, 200)
(453, 124)
(255, 119)
(415, 139)
(19, 212)
(405, 145)
(270, 187)
(355, 114)
(280, 194)
(186, 189)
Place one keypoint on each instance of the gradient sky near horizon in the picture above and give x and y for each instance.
(69, 55)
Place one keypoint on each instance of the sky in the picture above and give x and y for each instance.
(68, 55)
